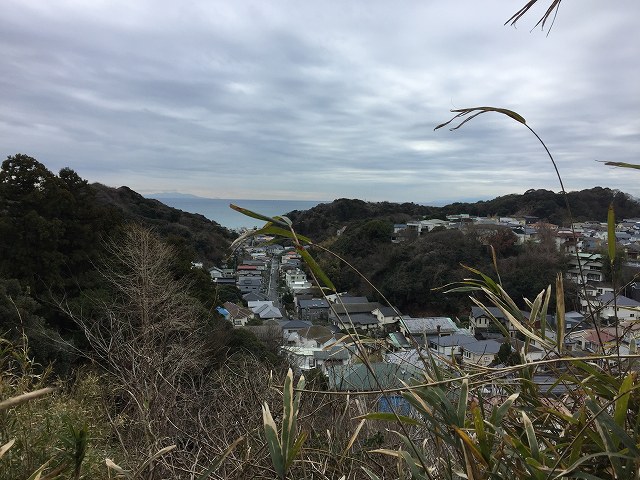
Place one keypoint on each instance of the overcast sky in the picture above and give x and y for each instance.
(321, 99)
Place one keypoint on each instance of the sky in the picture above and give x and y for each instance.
(322, 100)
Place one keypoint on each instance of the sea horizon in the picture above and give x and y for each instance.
(219, 211)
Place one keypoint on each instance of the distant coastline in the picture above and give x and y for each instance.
(218, 210)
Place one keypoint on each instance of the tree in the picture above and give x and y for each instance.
(157, 344)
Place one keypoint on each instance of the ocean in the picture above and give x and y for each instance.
(218, 210)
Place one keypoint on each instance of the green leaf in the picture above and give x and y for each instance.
(462, 402)
(258, 216)
(288, 420)
(273, 442)
(390, 417)
(622, 402)
(470, 445)
(315, 268)
(498, 413)
(531, 437)
(623, 165)
(273, 230)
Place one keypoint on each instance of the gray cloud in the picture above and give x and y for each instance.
(320, 100)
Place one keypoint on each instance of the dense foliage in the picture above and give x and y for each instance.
(53, 230)
(325, 220)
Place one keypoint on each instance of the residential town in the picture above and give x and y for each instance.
(331, 333)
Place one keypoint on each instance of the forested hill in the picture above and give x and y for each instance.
(324, 220)
(208, 239)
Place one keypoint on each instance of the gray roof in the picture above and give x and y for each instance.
(357, 319)
(356, 377)
(254, 296)
(454, 340)
(356, 307)
(348, 299)
(313, 303)
(334, 353)
(389, 311)
(249, 281)
(621, 300)
(483, 347)
(416, 326)
(296, 325)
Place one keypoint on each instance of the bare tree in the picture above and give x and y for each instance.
(154, 340)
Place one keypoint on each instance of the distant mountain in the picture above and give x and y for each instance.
(161, 195)
(324, 220)
(209, 240)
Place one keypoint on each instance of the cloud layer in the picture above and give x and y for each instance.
(320, 100)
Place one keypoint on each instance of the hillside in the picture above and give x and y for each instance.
(209, 240)
(324, 220)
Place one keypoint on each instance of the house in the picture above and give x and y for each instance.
(265, 310)
(362, 321)
(481, 323)
(293, 326)
(387, 315)
(450, 347)
(313, 309)
(358, 315)
(590, 340)
(420, 328)
(296, 280)
(623, 308)
(254, 297)
(343, 298)
(249, 284)
(303, 359)
(591, 268)
(237, 315)
(357, 377)
(220, 273)
(313, 336)
(481, 352)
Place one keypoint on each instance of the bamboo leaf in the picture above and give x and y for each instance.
(531, 437)
(353, 438)
(462, 402)
(623, 165)
(273, 230)
(149, 460)
(38, 473)
(475, 111)
(315, 268)
(258, 216)
(623, 400)
(218, 461)
(560, 310)
(6, 447)
(112, 466)
(372, 475)
(498, 414)
(470, 445)
(390, 417)
(288, 420)
(273, 442)
(294, 450)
